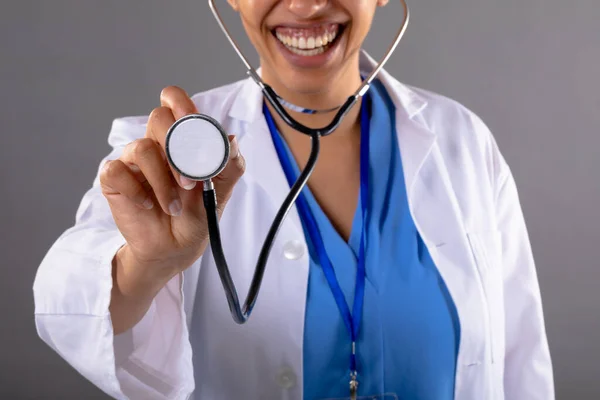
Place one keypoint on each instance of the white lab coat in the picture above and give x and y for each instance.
(464, 203)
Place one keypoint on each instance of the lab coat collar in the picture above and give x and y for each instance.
(415, 138)
(248, 107)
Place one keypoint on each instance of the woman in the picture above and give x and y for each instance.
(411, 187)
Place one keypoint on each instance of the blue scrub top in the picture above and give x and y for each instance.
(409, 335)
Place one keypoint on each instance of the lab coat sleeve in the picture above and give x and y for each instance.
(72, 291)
(528, 368)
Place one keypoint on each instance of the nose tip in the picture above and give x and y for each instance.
(306, 8)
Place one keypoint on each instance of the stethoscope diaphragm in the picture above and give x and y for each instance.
(197, 147)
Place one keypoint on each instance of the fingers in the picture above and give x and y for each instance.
(142, 176)
(143, 167)
(159, 122)
(178, 101)
(117, 178)
(146, 155)
(175, 104)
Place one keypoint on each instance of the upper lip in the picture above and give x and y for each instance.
(307, 25)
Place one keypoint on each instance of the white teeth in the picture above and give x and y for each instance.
(307, 45)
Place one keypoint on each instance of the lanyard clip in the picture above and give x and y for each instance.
(353, 373)
(353, 386)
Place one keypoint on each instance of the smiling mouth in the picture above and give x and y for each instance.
(309, 41)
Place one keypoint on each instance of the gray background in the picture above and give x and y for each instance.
(528, 67)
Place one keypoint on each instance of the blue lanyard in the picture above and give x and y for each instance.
(351, 321)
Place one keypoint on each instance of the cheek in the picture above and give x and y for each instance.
(362, 18)
(253, 14)
(253, 33)
(255, 11)
(256, 36)
(251, 21)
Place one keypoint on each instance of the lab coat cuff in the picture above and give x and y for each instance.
(76, 283)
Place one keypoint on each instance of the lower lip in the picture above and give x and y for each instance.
(316, 61)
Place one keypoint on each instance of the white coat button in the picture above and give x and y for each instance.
(286, 378)
(293, 250)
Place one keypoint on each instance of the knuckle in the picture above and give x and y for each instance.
(158, 114)
(110, 171)
(241, 164)
(232, 175)
(143, 148)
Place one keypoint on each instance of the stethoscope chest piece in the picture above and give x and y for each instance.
(197, 147)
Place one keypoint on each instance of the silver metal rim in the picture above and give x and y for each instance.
(216, 124)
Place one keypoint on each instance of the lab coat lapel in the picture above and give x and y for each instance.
(427, 182)
(262, 161)
(259, 151)
(426, 187)
(438, 218)
(432, 202)
(286, 280)
(429, 190)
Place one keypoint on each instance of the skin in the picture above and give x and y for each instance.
(162, 215)
(335, 181)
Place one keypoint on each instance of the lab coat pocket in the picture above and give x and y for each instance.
(486, 247)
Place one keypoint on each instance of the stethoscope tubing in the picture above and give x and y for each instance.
(272, 96)
(240, 313)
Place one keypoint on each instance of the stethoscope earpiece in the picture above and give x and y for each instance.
(197, 147)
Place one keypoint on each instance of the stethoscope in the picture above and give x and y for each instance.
(198, 148)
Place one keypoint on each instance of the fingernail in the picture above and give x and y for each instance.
(175, 208)
(187, 183)
(148, 204)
